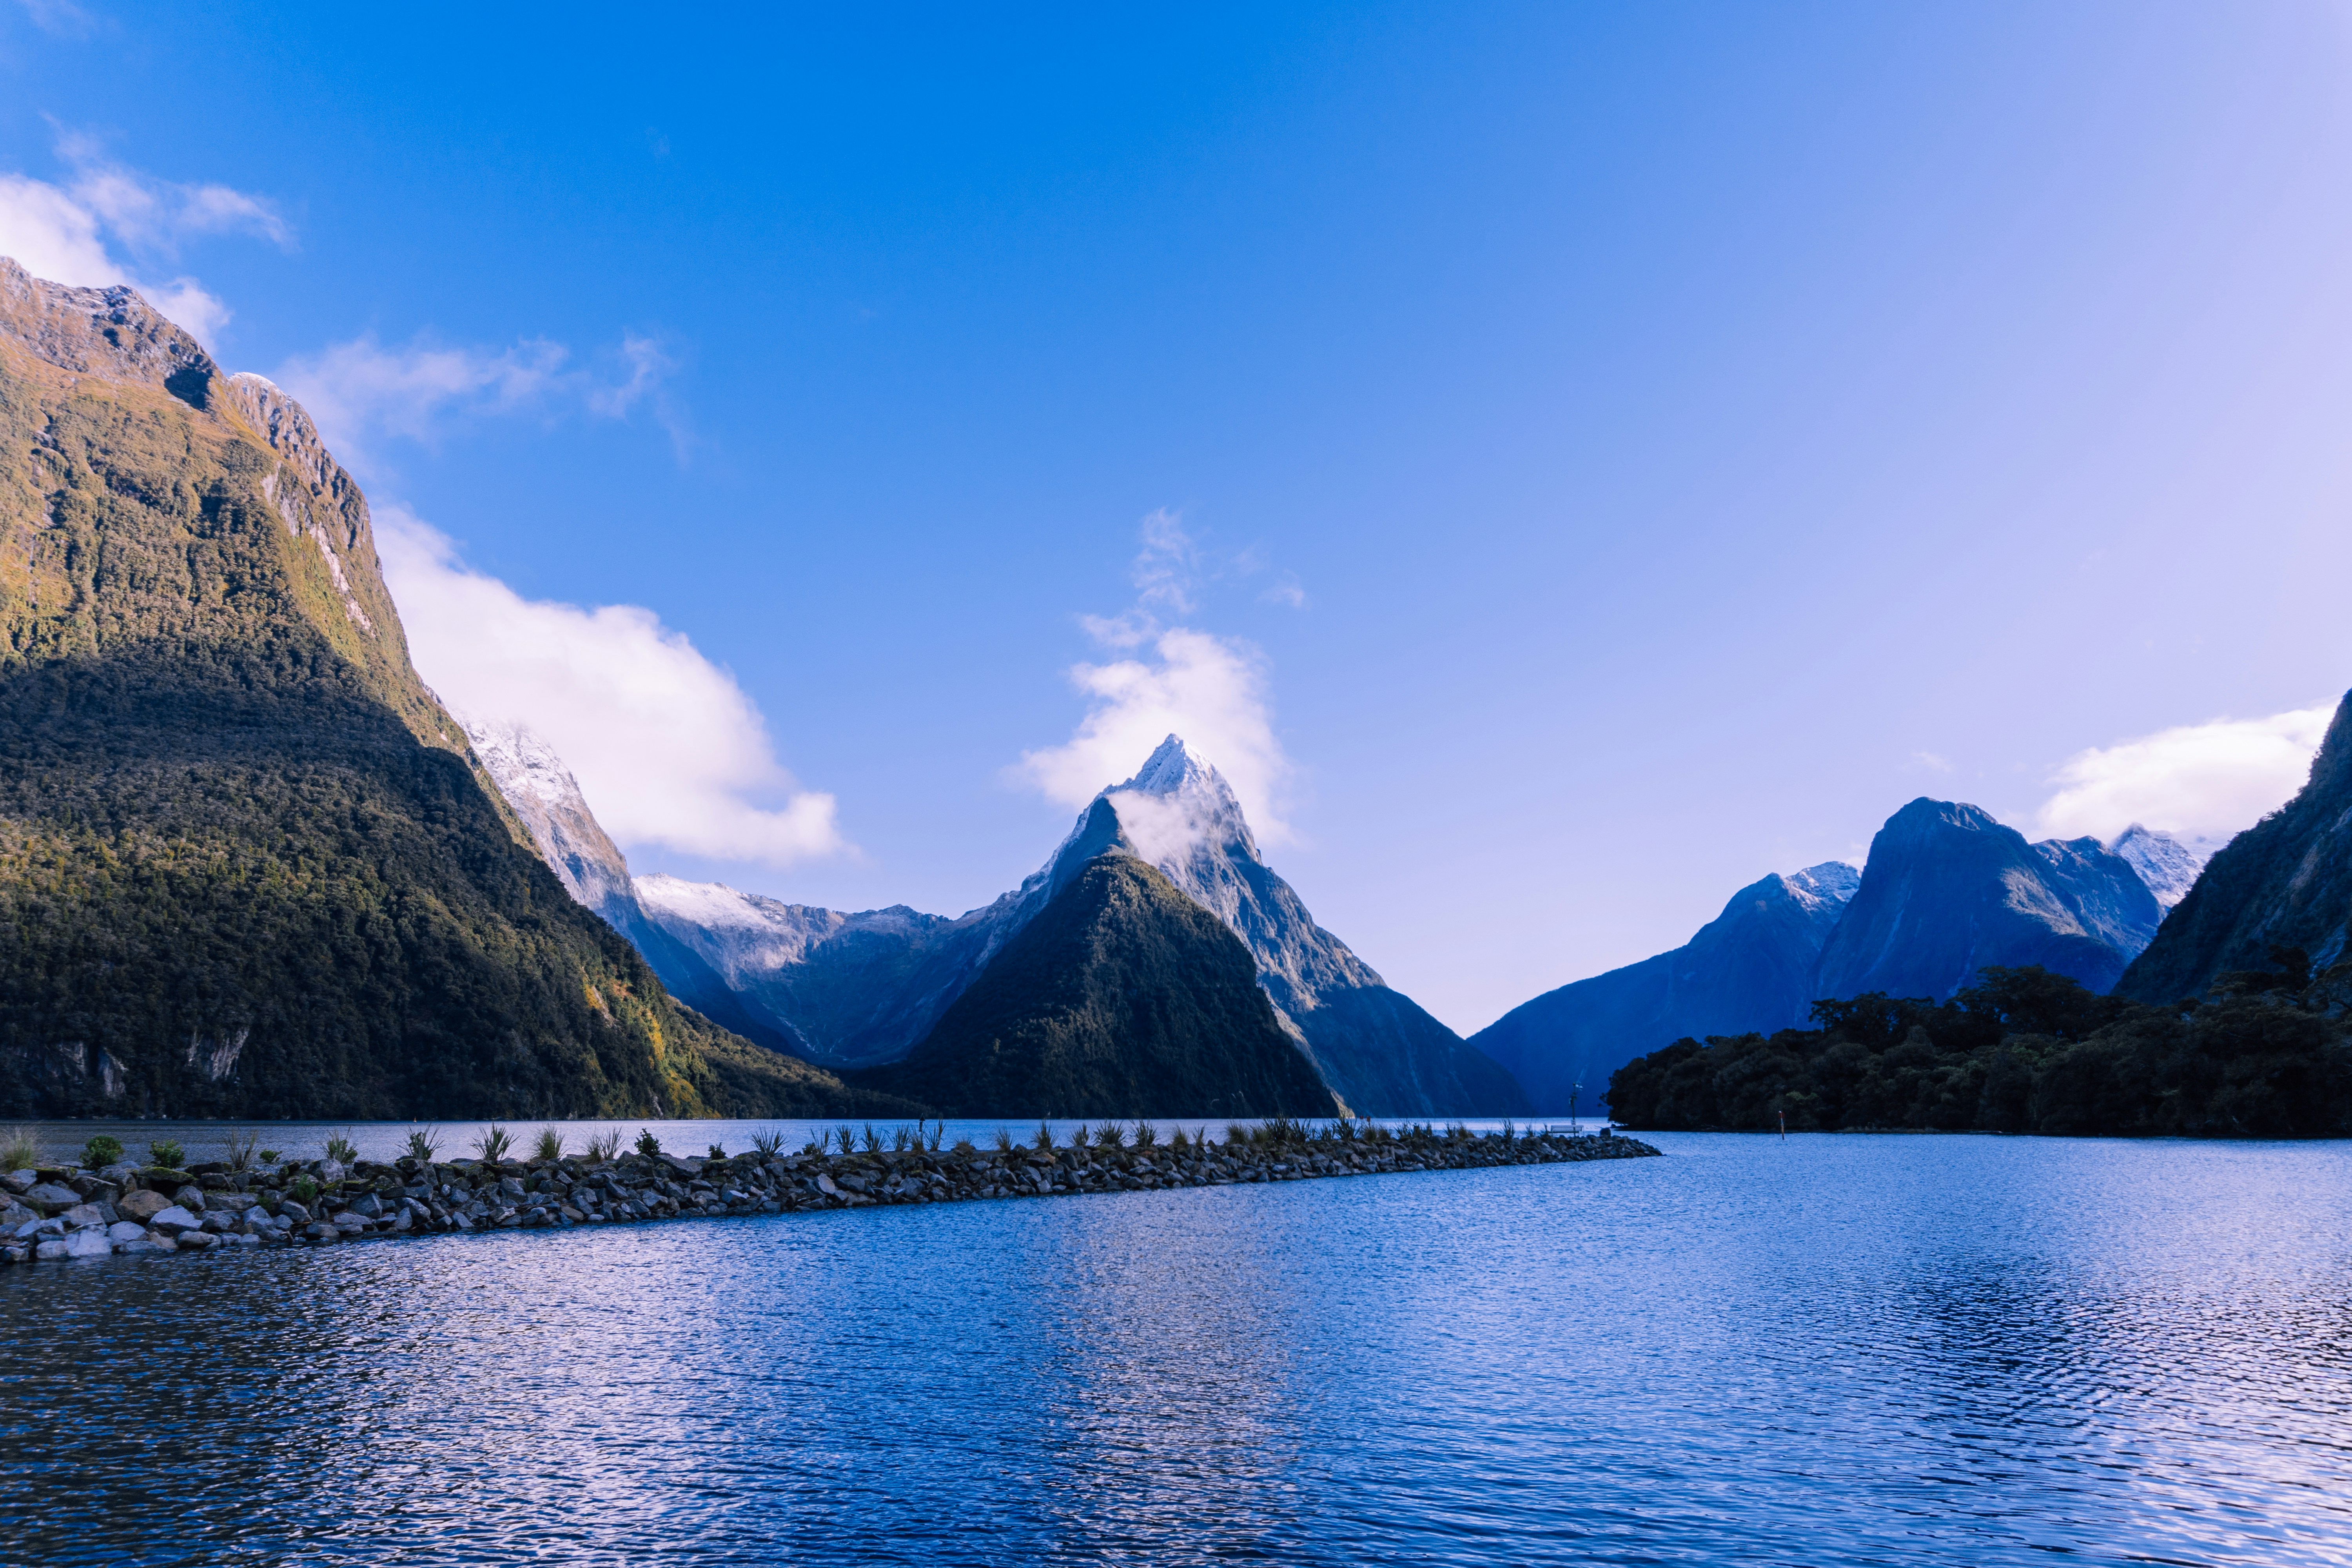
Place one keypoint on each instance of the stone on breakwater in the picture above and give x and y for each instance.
(256, 1207)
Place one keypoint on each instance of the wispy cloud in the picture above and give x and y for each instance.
(362, 392)
(668, 750)
(2196, 780)
(60, 18)
(1215, 691)
(108, 222)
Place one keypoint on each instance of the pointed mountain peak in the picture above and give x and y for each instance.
(1170, 769)
(1177, 806)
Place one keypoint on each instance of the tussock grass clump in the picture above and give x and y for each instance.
(604, 1147)
(1044, 1137)
(768, 1142)
(1176, 1140)
(1004, 1144)
(100, 1151)
(871, 1139)
(163, 1151)
(422, 1145)
(1110, 1135)
(1145, 1135)
(341, 1149)
(18, 1150)
(1236, 1135)
(900, 1136)
(270, 1156)
(847, 1138)
(493, 1145)
(547, 1143)
(716, 1153)
(244, 1147)
(962, 1150)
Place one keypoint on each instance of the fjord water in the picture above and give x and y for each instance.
(1834, 1348)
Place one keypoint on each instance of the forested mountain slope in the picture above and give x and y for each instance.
(1120, 998)
(247, 866)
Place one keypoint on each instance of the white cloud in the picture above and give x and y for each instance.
(1211, 690)
(68, 234)
(2211, 779)
(361, 392)
(667, 748)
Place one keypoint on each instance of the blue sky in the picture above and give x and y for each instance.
(1565, 460)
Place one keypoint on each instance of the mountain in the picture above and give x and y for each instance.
(247, 868)
(2168, 865)
(1947, 890)
(1121, 997)
(2284, 882)
(861, 989)
(1751, 967)
(1378, 1049)
(856, 989)
(547, 799)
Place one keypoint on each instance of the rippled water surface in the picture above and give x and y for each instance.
(1831, 1349)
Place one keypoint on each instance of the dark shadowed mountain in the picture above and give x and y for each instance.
(1949, 891)
(1749, 968)
(2287, 882)
(247, 868)
(1120, 998)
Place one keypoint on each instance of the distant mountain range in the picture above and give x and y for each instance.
(1946, 891)
(865, 990)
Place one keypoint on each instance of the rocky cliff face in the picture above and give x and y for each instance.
(866, 988)
(1749, 968)
(247, 868)
(2284, 882)
(1949, 891)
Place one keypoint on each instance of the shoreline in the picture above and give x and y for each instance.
(68, 1212)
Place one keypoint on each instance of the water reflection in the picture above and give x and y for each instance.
(1914, 1350)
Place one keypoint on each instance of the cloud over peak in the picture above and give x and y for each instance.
(2212, 779)
(1215, 691)
(667, 748)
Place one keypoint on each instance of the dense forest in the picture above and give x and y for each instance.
(2268, 1054)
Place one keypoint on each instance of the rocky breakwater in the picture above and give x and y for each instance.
(57, 1212)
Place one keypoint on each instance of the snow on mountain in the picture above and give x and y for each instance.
(2166, 863)
(543, 792)
(548, 799)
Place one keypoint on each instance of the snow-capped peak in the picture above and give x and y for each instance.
(2168, 865)
(521, 760)
(1169, 769)
(1178, 806)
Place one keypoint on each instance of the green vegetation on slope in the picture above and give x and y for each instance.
(1121, 998)
(247, 868)
(2025, 1051)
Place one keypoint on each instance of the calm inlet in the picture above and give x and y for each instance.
(1829, 1350)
